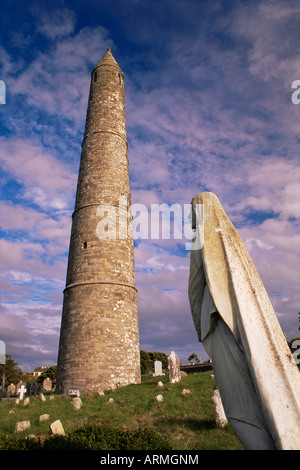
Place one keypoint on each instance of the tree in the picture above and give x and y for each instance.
(159, 356)
(50, 372)
(148, 358)
(145, 362)
(13, 374)
(193, 358)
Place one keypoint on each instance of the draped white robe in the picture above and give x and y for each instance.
(223, 279)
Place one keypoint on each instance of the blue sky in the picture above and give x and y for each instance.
(208, 104)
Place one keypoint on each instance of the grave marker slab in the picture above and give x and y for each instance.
(174, 368)
(22, 390)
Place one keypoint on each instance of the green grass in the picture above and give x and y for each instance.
(185, 422)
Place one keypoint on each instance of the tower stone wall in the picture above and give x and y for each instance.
(99, 339)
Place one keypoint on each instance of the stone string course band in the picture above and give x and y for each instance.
(98, 282)
(110, 132)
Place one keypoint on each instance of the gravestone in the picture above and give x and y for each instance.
(47, 384)
(26, 401)
(77, 403)
(22, 390)
(157, 368)
(11, 389)
(220, 416)
(174, 368)
(57, 428)
(19, 384)
(28, 388)
(35, 388)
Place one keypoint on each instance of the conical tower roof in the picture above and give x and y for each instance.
(108, 59)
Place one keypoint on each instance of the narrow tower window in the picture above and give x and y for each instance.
(95, 77)
(84, 245)
(119, 78)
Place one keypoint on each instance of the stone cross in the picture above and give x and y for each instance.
(22, 390)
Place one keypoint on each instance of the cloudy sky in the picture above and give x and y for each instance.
(209, 106)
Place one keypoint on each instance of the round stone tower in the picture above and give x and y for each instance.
(99, 338)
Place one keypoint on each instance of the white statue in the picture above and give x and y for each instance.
(256, 374)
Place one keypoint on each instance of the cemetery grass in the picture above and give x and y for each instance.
(183, 422)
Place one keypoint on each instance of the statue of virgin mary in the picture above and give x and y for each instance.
(255, 372)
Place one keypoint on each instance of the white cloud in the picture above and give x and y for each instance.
(54, 23)
(57, 81)
(30, 333)
(273, 186)
(48, 182)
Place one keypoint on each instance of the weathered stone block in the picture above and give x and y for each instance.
(57, 428)
(220, 417)
(77, 403)
(44, 417)
(21, 426)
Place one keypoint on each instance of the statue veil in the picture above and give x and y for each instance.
(243, 303)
